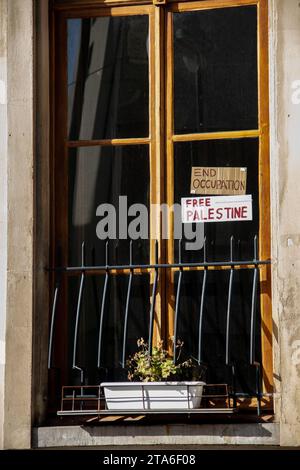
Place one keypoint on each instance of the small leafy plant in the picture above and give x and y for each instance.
(158, 365)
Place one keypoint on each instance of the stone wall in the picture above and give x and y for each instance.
(285, 167)
(19, 152)
(3, 200)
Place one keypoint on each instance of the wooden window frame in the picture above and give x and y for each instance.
(162, 138)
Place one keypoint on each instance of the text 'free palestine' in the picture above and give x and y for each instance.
(216, 209)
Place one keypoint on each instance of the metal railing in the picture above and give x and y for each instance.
(91, 400)
(83, 270)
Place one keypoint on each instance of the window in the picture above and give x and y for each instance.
(141, 95)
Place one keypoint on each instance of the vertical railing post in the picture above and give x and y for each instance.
(153, 300)
(77, 320)
(253, 305)
(227, 353)
(53, 320)
(253, 361)
(228, 315)
(177, 303)
(103, 306)
(203, 290)
(127, 307)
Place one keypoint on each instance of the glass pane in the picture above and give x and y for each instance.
(113, 326)
(108, 77)
(214, 324)
(118, 176)
(220, 153)
(215, 70)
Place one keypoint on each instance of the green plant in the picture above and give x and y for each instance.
(158, 365)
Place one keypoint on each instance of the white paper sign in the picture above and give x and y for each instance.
(216, 209)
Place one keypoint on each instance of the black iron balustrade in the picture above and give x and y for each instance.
(83, 270)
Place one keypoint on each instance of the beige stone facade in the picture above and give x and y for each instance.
(24, 239)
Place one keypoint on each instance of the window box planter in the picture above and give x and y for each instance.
(137, 396)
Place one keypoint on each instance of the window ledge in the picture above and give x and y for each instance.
(158, 434)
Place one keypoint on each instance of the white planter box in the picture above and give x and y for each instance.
(152, 395)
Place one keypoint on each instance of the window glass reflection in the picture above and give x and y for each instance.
(108, 77)
(215, 70)
(100, 176)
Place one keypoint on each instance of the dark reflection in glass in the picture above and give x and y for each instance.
(215, 70)
(108, 77)
(220, 153)
(101, 175)
(214, 324)
(112, 339)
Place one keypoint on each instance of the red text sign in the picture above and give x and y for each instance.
(216, 209)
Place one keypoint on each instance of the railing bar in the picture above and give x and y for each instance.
(94, 280)
(227, 354)
(77, 321)
(65, 387)
(255, 248)
(177, 303)
(202, 306)
(253, 328)
(254, 303)
(81, 398)
(52, 324)
(201, 317)
(253, 316)
(176, 312)
(143, 396)
(258, 394)
(153, 300)
(162, 266)
(102, 308)
(78, 308)
(126, 319)
(99, 398)
(102, 320)
(152, 310)
(127, 311)
(227, 359)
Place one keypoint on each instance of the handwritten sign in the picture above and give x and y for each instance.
(216, 209)
(218, 180)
